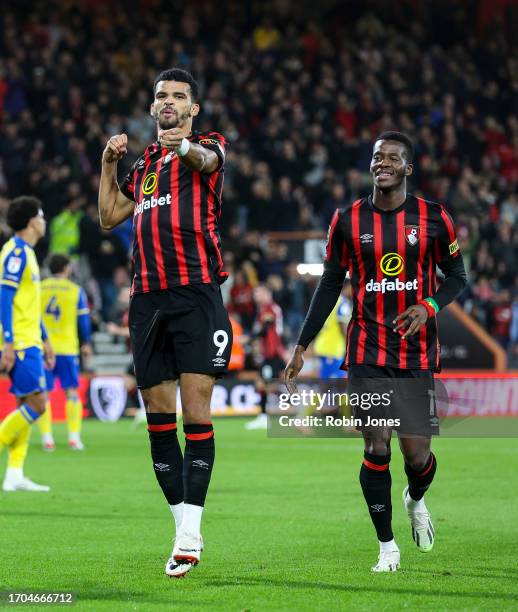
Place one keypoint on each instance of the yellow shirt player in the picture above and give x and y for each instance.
(24, 339)
(66, 316)
(330, 343)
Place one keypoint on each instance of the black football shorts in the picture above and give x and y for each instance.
(405, 396)
(179, 330)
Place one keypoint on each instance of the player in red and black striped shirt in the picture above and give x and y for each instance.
(179, 327)
(390, 243)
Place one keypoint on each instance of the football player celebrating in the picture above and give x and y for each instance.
(179, 328)
(390, 243)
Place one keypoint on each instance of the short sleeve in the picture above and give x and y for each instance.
(337, 259)
(14, 265)
(215, 142)
(128, 184)
(446, 245)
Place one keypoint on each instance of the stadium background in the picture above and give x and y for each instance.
(299, 90)
(299, 97)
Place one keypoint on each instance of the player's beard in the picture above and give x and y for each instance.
(172, 122)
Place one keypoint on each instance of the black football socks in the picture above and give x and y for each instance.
(167, 455)
(198, 462)
(419, 482)
(376, 482)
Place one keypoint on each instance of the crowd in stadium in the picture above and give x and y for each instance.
(299, 102)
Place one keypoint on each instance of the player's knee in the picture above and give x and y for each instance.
(156, 403)
(417, 460)
(377, 446)
(37, 401)
(72, 395)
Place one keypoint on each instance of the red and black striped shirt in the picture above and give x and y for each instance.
(175, 222)
(391, 258)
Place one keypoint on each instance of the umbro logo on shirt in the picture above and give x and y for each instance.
(366, 238)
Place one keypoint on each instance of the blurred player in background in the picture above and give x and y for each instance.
(25, 342)
(268, 328)
(330, 343)
(390, 242)
(179, 327)
(66, 316)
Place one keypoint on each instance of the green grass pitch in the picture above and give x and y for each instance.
(285, 528)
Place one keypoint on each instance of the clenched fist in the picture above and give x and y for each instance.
(116, 148)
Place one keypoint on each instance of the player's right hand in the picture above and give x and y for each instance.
(293, 368)
(116, 148)
(8, 357)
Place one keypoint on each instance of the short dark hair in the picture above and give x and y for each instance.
(21, 210)
(399, 137)
(58, 262)
(177, 74)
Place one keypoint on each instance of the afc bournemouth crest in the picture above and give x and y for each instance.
(412, 234)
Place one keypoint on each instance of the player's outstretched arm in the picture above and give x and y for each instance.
(324, 300)
(194, 156)
(114, 206)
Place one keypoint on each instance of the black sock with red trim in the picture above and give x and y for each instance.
(376, 483)
(419, 482)
(198, 462)
(167, 455)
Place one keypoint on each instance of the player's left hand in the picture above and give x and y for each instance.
(48, 352)
(170, 139)
(86, 351)
(414, 317)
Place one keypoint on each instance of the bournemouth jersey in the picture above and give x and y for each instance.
(175, 222)
(391, 258)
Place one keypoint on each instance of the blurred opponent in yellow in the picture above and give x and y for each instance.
(330, 343)
(66, 316)
(23, 337)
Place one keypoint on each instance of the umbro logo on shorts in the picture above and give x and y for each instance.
(378, 507)
(219, 362)
(162, 467)
(201, 464)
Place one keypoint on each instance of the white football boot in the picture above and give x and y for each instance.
(18, 482)
(186, 554)
(420, 519)
(260, 422)
(75, 444)
(47, 443)
(388, 561)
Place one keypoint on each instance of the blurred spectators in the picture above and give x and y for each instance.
(299, 100)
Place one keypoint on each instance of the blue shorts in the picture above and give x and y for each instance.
(67, 370)
(28, 375)
(330, 368)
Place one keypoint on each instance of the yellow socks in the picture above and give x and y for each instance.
(15, 423)
(74, 410)
(45, 421)
(18, 449)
